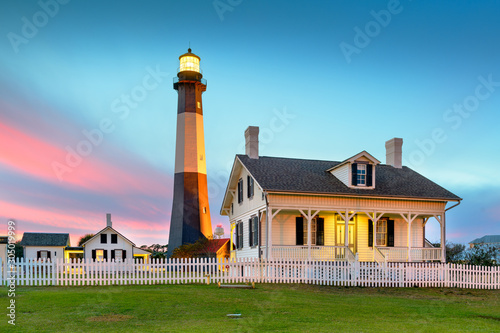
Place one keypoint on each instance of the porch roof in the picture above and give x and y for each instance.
(277, 174)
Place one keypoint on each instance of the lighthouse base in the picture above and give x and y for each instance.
(190, 218)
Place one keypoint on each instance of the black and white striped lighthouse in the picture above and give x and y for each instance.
(190, 219)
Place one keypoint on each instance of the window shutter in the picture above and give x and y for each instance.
(105, 254)
(250, 235)
(299, 230)
(241, 235)
(354, 174)
(93, 254)
(38, 255)
(256, 230)
(240, 190)
(237, 235)
(48, 254)
(253, 187)
(369, 175)
(124, 254)
(390, 233)
(370, 233)
(112, 254)
(320, 231)
(250, 186)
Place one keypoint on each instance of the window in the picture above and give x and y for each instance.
(361, 174)
(118, 255)
(381, 233)
(250, 187)
(253, 229)
(104, 238)
(384, 233)
(99, 255)
(240, 190)
(114, 238)
(43, 255)
(313, 232)
(232, 209)
(317, 231)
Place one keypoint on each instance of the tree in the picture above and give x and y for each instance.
(481, 254)
(157, 251)
(18, 249)
(199, 249)
(454, 252)
(85, 238)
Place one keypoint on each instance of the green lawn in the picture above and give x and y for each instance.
(268, 308)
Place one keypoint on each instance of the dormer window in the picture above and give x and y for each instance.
(361, 174)
(357, 171)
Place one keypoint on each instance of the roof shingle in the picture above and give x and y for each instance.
(310, 176)
(44, 239)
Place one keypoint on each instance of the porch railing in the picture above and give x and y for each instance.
(400, 254)
(426, 253)
(317, 252)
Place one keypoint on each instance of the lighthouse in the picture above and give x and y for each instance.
(190, 219)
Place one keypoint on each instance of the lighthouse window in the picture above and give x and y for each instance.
(198, 105)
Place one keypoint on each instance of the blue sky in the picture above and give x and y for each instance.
(322, 79)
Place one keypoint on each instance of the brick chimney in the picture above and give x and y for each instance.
(252, 142)
(394, 152)
(108, 220)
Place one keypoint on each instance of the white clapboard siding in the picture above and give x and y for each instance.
(28, 272)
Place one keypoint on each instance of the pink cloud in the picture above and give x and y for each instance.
(40, 159)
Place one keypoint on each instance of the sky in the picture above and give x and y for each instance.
(88, 111)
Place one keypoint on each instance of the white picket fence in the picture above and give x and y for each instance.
(336, 273)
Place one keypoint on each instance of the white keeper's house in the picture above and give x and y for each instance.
(328, 210)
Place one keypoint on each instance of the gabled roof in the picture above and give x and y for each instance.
(488, 239)
(351, 159)
(44, 239)
(109, 228)
(276, 174)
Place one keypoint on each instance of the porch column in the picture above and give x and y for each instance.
(270, 231)
(409, 220)
(443, 238)
(346, 230)
(269, 237)
(347, 217)
(408, 242)
(309, 218)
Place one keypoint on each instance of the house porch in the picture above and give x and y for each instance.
(382, 236)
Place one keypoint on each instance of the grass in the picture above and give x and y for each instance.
(268, 308)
